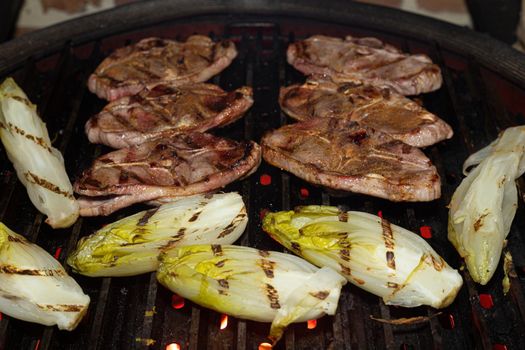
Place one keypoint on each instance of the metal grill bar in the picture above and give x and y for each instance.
(99, 314)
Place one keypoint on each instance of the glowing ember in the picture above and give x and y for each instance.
(485, 300)
(265, 346)
(37, 346)
(311, 324)
(177, 302)
(426, 232)
(173, 346)
(224, 322)
(499, 347)
(1, 316)
(304, 193)
(57, 253)
(380, 214)
(452, 321)
(447, 321)
(265, 179)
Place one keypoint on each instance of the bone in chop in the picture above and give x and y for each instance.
(166, 110)
(153, 60)
(182, 165)
(381, 109)
(367, 60)
(342, 155)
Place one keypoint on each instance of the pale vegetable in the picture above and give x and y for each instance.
(39, 166)
(34, 286)
(508, 271)
(130, 246)
(483, 206)
(252, 284)
(384, 259)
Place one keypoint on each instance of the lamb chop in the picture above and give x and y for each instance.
(342, 155)
(182, 165)
(380, 109)
(367, 60)
(153, 60)
(166, 110)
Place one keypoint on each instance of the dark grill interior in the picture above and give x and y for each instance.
(136, 312)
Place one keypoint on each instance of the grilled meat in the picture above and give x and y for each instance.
(153, 60)
(179, 166)
(367, 60)
(381, 109)
(166, 110)
(341, 155)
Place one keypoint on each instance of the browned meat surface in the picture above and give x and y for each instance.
(381, 109)
(340, 154)
(153, 60)
(365, 60)
(178, 166)
(166, 110)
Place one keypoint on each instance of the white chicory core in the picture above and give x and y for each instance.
(39, 166)
(384, 259)
(34, 287)
(130, 246)
(251, 284)
(483, 206)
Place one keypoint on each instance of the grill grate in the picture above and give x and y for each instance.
(131, 312)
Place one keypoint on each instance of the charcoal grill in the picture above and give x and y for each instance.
(483, 90)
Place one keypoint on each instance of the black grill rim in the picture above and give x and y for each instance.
(489, 52)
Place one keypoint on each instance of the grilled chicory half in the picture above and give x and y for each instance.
(130, 246)
(483, 206)
(252, 284)
(371, 253)
(39, 166)
(34, 286)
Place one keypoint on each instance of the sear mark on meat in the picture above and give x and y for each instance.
(167, 110)
(365, 60)
(162, 169)
(153, 60)
(385, 111)
(341, 155)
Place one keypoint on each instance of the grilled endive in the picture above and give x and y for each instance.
(371, 253)
(39, 166)
(251, 284)
(34, 286)
(483, 206)
(130, 246)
